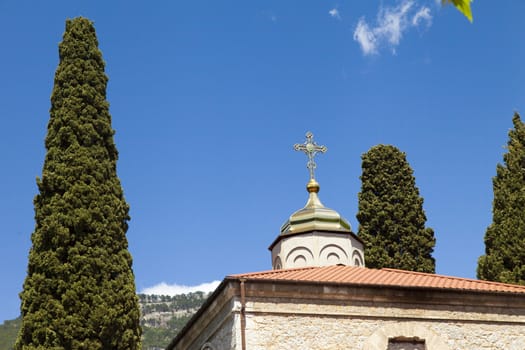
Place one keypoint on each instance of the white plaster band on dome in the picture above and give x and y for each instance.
(277, 264)
(357, 258)
(207, 346)
(299, 261)
(379, 339)
(331, 250)
(295, 253)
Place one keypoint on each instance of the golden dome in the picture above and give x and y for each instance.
(314, 216)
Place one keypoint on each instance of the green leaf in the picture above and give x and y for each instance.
(463, 6)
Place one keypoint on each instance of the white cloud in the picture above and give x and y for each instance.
(392, 22)
(173, 289)
(335, 13)
(422, 15)
(365, 37)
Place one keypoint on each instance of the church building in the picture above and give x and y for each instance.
(319, 295)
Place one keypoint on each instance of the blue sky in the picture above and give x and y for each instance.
(208, 98)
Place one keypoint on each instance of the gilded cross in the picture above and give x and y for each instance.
(311, 149)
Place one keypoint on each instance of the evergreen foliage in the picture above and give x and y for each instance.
(390, 214)
(504, 259)
(79, 292)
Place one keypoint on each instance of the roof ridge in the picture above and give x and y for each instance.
(379, 277)
(453, 277)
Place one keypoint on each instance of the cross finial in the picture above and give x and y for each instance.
(311, 149)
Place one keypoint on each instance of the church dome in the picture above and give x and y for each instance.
(315, 235)
(314, 216)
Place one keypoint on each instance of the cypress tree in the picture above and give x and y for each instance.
(504, 259)
(79, 292)
(390, 213)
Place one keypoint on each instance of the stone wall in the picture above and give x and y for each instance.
(321, 317)
(223, 337)
(332, 327)
(215, 326)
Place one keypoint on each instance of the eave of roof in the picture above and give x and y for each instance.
(349, 275)
(197, 315)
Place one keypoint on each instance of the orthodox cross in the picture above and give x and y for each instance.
(311, 149)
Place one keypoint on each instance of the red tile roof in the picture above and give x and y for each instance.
(348, 275)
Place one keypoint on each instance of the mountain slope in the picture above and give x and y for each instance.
(162, 317)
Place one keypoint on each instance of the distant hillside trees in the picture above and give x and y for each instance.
(390, 213)
(151, 303)
(162, 317)
(79, 292)
(8, 333)
(504, 259)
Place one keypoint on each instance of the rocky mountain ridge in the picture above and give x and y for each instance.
(162, 317)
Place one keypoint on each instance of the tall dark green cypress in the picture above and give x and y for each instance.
(79, 292)
(391, 216)
(504, 259)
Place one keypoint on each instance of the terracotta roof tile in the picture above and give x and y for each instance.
(349, 275)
